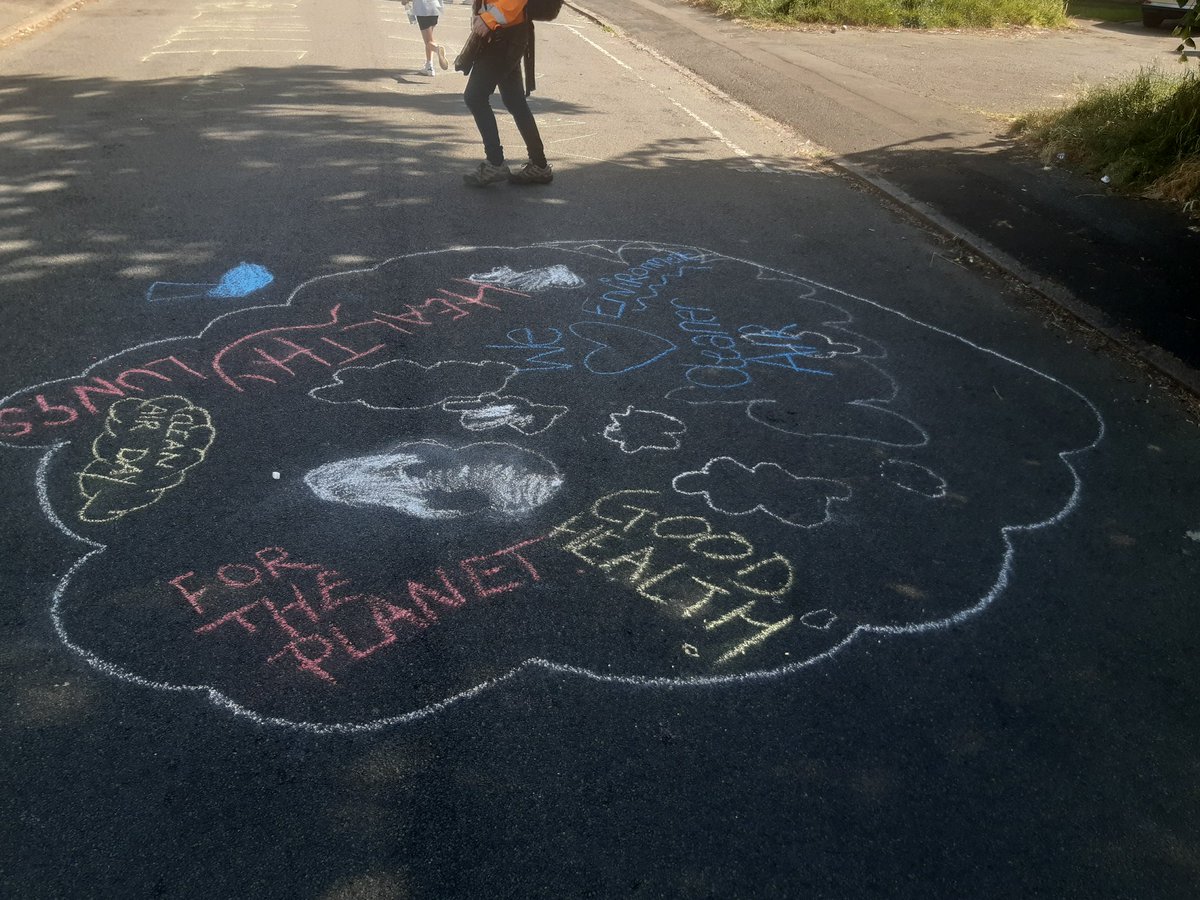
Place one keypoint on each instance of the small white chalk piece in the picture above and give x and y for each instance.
(275, 475)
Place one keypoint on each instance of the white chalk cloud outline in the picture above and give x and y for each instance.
(495, 411)
(752, 471)
(503, 406)
(338, 382)
(614, 428)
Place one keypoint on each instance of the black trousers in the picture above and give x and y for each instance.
(499, 66)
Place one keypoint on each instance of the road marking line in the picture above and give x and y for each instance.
(734, 148)
(578, 137)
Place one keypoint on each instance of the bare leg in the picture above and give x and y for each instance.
(430, 46)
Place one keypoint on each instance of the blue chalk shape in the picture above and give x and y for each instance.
(175, 290)
(241, 280)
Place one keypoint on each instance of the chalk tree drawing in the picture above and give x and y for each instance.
(750, 469)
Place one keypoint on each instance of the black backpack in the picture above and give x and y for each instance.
(543, 10)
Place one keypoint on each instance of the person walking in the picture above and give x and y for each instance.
(427, 13)
(504, 38)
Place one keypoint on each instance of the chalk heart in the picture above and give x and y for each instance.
(241, 281)
(619, 349)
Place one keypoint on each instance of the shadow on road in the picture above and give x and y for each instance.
(108, 186)
(557, 788)
(1124, 259)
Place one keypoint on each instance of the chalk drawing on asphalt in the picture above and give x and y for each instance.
(847, 392)
(403, 384)
(486, 412)
(736, 489)
(240, 281)
(914, 477)
(147, 448)
(431, 481)
(618, 349)
(531, 281)
(790, 341)
(644, 429)
(818, 618)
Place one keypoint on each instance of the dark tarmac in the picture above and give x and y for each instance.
(370, 538)
(916, 116)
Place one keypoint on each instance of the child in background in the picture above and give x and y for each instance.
(426, 13)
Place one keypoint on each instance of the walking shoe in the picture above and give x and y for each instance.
(487, 174)
(427, 69)
(441, 53)
(531, 174)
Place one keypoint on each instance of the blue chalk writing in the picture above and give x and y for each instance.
(522, 340)
(729, 366)
(637, 285)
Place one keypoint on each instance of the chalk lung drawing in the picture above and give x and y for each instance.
(430, 481)
(533, 280)
(830, 482)
(403, 384)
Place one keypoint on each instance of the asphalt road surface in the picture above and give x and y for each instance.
(695, 526)
(926, 116)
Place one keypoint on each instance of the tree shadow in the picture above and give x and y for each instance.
(1122, 256)
(109, 185)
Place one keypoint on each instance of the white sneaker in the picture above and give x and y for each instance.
(427, 69)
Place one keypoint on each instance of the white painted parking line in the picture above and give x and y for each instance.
(239, 27)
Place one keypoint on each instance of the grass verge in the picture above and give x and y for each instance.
(1115, 11)
(1142, 131)
(900, 13)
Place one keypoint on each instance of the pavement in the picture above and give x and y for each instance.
(22, 17)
